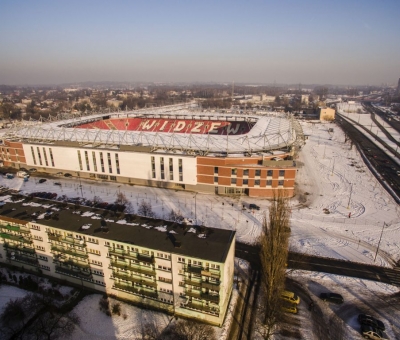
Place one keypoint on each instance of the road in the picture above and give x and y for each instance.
(326, 265)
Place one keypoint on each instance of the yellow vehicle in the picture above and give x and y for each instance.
(290, 297)
(289, 307)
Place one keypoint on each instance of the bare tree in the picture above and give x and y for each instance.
(189, 330)
(123, 201)
(273, 255)
(13, 317)
(53, 325)
(145, 209)
(175, 216)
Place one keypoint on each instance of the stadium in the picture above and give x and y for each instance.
(176, 147)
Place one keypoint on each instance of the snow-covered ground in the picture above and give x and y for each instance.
(339, 211)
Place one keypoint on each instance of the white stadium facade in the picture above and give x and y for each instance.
(175, 147)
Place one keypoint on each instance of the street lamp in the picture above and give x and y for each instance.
(380, 238)
(195, 207)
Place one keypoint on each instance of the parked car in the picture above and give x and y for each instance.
(32, 170)
(369, 320)
(369, 332)
(42, 180)
(254, 206)
(67, 175)
(289, 307)
(57, 183)
(332, 297)
(290, 297)
(59, 173)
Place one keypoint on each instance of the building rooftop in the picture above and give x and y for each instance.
(194, 241)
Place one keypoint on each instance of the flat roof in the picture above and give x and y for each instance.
(194, 241)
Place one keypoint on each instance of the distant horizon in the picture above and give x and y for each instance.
(185, 83)
(309, 42)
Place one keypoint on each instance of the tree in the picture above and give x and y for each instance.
(13, 317)
(175, 216)
(273, 242)
(188, 330)
(145, 209)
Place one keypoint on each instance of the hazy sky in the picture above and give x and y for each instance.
(287, 41)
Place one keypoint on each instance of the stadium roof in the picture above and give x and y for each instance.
(268, 132)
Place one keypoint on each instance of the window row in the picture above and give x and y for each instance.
(106, 162)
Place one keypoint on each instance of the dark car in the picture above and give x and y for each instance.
(332, 297)
(254, 206)
(57, 183)
(369, 320)
(67, 175)
(42, 180)
(369, 332)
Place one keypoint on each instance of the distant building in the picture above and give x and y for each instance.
(304, 98)
(326, 114)
(398, 87)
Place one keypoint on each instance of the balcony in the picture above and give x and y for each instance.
(133, 267)
(201, 308)
(13, 237)
(134, 290)
(124, 253)
(75, 273)
(135, 279)
(54, 237)
(193, 269)
(145, 258)
(209, 297)
(10, 227)
(193, 293)
(126, 288)
(14, 246)
(211, 285)
(76, 263)
(69, 251)
(32, 261)
(192, 282)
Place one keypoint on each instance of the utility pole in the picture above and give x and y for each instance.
(351, 190)
(380, 238)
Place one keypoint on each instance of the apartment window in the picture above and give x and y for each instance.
(180, 166)
(38, 238)
(96, 263)
(80, 160)
(40, 248)
(258, 172)
(245, 182)
(181, 259)
(171, 169)
(162, 167)
(109, 163)
(113, 178)
(94, 161)
(102, 176)
(33, 155)
(117, 163)
(163, 279)
(233, 180)
(269, 172)
(39, 156)
(245, 172)
(36, 227)
(215, 170)
(280, 182)
(102, 162)
(153, 167)
(257, 182)
(43, 258)
(234, 172)
(51, 157)
(269, 183)
(45, 157)
(281, 172)
(216, 179)
(87, 161)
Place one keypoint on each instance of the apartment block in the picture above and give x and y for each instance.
(182, 269)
